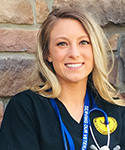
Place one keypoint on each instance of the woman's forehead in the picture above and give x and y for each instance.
(68, 27)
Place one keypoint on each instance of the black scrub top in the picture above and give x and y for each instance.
(30, 123)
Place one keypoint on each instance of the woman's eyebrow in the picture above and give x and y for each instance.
(63, 37)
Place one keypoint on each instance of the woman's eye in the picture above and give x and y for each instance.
(61, 44)
(84, 42)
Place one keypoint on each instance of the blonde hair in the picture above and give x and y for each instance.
(98, 79)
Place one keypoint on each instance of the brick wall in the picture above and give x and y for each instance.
(19, 24)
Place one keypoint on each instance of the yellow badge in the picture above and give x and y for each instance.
(100, 125)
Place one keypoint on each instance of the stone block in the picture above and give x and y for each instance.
(17, 74)
(114, 74)
(41, 11)
(16, 12)
(103, 11)
(113, 40)
(122, 55)
(122, 20)
(18, 40)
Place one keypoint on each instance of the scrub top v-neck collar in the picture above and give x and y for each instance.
(72, 125)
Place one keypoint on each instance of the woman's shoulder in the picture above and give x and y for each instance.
(29, 94)
(27, 98)
(117, 107)
(116, 103)
(108, 106)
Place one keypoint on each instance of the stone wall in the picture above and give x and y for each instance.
(19, 24)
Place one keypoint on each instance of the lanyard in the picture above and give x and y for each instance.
(65, 132)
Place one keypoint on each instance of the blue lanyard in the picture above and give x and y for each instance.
(65, 132)
(85, 122)
(63, 128)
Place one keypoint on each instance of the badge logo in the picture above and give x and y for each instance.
(101, 127)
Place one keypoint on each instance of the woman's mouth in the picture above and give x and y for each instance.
(75, 65)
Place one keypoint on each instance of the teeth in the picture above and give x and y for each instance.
(73, 65)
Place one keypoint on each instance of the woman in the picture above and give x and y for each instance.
(56, 116)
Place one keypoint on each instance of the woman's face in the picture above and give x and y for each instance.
(70, 51)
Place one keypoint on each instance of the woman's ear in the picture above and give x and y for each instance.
(49, 59)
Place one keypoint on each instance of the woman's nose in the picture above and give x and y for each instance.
(73, 52)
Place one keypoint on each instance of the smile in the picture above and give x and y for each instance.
(74, 65)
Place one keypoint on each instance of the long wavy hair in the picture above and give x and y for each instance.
(98, 79)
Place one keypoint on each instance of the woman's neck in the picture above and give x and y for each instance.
(72, 96)
(73, 92)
